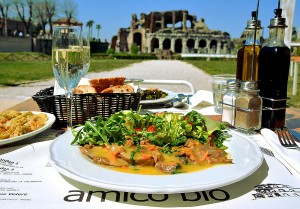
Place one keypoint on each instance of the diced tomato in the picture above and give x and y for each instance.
(151, 128)
(137, 129)
(187, 119)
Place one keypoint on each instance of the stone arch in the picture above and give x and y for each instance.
(178, 45)
(202, 43)
(137, 39)
(202, 46)
(223, 44)
(213, 46)
(154, 44)
(190, 44)
(188, 24)
(167, 44)
(114, 42)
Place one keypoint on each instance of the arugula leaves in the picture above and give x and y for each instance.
(162, 129)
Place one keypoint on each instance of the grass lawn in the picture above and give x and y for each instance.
(14, 72)
(214, 67)
(19, 72)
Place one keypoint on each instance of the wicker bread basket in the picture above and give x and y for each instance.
(85, 106)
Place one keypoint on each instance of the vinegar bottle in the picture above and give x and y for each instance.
(247, 56)
(274, 62)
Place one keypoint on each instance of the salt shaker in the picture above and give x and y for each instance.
(228, 102)
(248, 108)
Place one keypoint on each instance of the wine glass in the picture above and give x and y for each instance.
(67, 62)
(86, 52)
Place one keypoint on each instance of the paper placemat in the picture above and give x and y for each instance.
(29, 181)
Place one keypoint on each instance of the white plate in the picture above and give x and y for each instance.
(49, 123)
(169, 98)
(246, 155)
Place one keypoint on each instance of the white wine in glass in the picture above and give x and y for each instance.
(67, 62)
(86, 52)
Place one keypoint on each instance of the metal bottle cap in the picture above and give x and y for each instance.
(278, 21)
(233, 84)
(249, 85)
(254, 23)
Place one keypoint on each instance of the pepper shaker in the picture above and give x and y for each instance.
(248, 108)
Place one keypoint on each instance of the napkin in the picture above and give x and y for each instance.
(289, 157)
(201, 99)
(203, 102)
(59, 91)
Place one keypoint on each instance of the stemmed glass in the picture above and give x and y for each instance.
(86, 52)
(68, 62)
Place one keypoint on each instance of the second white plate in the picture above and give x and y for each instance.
(171, 96)
(49, 123)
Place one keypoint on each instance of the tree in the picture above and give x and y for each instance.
(41, 14)
(4, 6)
(98, 27)
(89, 24)
(50, 11)
(69, 9)
(294, 34)
(24, 9)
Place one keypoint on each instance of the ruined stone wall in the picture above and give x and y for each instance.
(176, 31)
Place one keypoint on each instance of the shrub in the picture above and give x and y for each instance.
(134, 49)
(110, 51)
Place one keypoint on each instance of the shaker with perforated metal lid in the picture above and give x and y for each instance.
(228, 102)
(248, 108)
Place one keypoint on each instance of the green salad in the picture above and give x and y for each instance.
(153, 94)
(162, 129)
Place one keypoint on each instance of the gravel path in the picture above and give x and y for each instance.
(154, 69)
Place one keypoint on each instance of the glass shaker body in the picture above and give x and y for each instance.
(274, 63)
(248, 108)
(228, 102)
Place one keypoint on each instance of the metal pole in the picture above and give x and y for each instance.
(295, 80)
(288, 8)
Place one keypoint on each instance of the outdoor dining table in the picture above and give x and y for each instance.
(28, 180)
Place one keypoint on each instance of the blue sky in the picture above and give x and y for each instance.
(225, 15)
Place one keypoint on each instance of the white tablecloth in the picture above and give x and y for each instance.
(29, 181)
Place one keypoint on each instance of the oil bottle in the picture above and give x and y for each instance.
(247, 56)
(273, 70)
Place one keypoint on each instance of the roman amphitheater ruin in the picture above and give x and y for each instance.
(174, 31)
